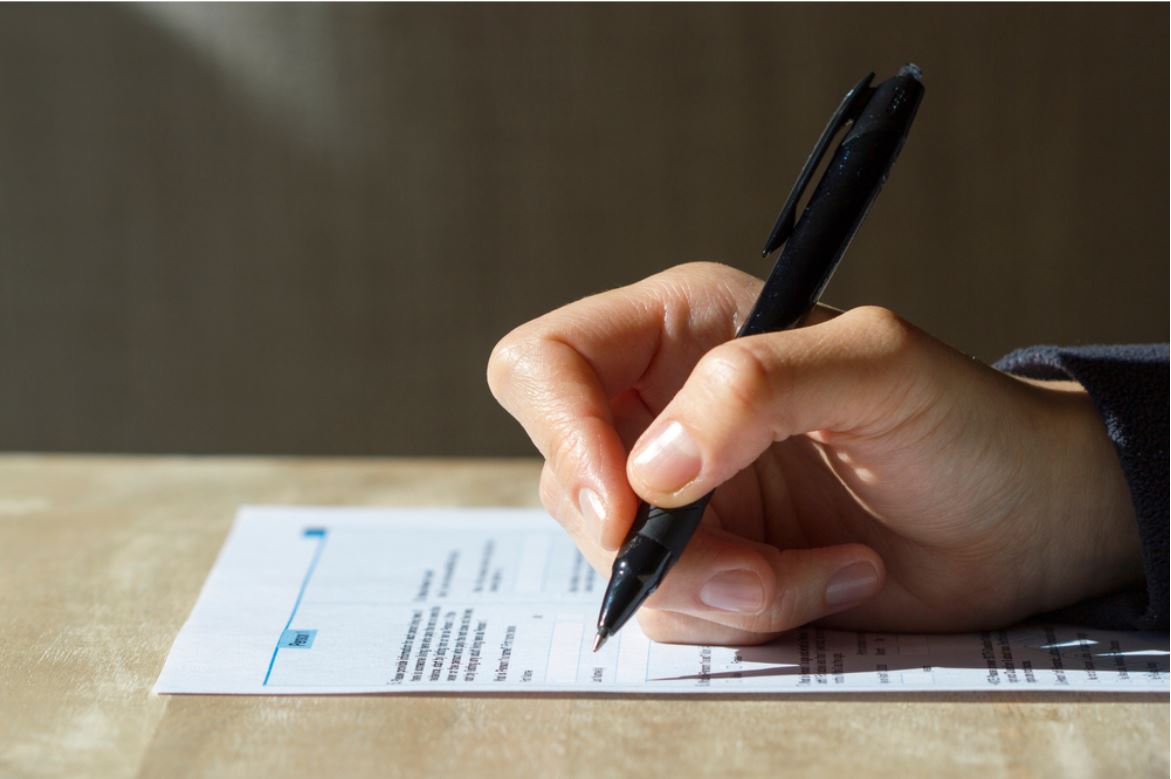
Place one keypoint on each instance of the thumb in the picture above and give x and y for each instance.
(854, 373)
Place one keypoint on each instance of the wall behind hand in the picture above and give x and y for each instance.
(300, 229)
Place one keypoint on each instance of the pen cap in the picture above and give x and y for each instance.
(891, 108)
(838, 204)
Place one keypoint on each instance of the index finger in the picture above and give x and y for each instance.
(557, 374)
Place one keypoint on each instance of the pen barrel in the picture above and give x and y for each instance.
(835, 210)
(819, 239)
(654, 544)
(670, 528)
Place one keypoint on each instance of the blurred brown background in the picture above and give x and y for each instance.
(300, 229)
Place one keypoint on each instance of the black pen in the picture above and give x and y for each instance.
(881, 116)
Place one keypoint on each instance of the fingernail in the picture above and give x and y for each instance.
(852, 584)
(669, 460)
(734, 591)
(589, 503)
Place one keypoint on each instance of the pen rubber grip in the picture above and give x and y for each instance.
(670, 528)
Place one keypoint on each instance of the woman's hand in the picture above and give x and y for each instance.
(869, 476)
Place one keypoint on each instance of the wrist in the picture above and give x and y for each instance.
(1092, 543)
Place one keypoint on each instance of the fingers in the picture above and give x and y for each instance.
(727, 590)
(854, 373)
(756, 588)
(582, 528)
(669, 627)
(558, 374)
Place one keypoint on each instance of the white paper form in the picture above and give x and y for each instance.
(355, 600)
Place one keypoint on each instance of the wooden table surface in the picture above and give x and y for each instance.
(101, 559)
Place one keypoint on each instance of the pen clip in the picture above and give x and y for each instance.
(848, 110)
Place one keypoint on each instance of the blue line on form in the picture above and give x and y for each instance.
(319, 534)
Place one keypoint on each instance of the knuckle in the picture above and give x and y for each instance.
(522, 358)
(734, 371)
(506, 359)
(892, 353)
(783, 612)
(699, 268)
(550, 492)
(701, 276)
(889, 335)
(565, 448)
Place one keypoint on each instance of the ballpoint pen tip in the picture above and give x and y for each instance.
(599, 640)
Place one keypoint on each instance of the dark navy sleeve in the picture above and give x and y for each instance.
(1129, 387)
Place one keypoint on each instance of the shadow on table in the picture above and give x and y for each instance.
(1010, 660)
